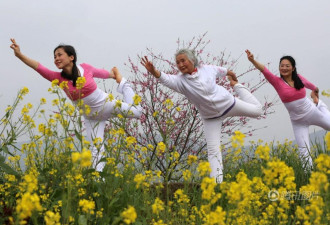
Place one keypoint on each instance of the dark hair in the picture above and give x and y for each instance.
(71, 52)
(298, 84)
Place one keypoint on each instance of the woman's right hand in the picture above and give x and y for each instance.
(30, 62)
(150, 67)
(250, 56)
(15, 47)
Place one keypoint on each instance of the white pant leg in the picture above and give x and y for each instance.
(95, 129)
(102, 110)
(318, 116)
(301, 133)
(212, 132)
(127, 108)
(246, 104)
(110, 110)
(321, 116)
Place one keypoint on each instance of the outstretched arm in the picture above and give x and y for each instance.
(30, 62)
(150, 67)
(257, 65)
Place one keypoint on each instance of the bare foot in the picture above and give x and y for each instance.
(118, 76)
(315, 97)
(231, 81)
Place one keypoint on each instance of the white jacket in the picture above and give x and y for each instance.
(201, 89)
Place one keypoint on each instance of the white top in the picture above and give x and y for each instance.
(299, 108)
(201, 89)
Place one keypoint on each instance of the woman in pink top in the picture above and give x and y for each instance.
(290, 87)
(101, 107)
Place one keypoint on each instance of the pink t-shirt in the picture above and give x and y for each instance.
(72, 92)
(286, 92)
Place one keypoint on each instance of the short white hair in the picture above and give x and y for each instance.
(190, 54)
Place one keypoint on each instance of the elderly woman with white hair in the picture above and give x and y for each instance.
(214, 103)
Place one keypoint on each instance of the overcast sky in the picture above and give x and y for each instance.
(106, 32)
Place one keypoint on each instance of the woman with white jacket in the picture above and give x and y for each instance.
(214, 102)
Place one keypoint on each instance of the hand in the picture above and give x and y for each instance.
(117, 76)
(111, 74)
(249, 55)
(15, 47)
(316, 92)
(150, 67)
(231, 75)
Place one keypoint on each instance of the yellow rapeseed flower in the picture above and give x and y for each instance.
(55, 102)
(238, 138)
(186, 175)
(55, 83)
(118, 104)
(217, 217)
(52, 218)
(87, 206)
(129, 215)
(159, 222)
(75, 156)
(130, 141)
(24, 91)
(180, 196)
(168, 103)
(158, 206)
(87, 110)
(204, 168)
(263, 152)
(323, 163)
(86, 158)
(139, 179)
(136, 99)
(207, 186)
(327, 140)
(155, 114)
(326, 93)
(80, 82)
(64, 85)
(110, 97)
(43, 101)
(161, 147)
(192, 159)
(27, 205)
(278, 173)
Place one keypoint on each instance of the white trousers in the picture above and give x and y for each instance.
(318, 116)
(246, 105)
(101, 110)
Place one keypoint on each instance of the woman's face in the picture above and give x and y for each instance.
(61, 59)
(286, 68)
(184, 64)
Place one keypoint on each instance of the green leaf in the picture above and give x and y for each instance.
(78, 135)
(6, 168)
(6, 150)
(82, 220)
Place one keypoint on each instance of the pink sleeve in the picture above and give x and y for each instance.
(270, 76)
(99, 73)
(48, 74)
(307, 84)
